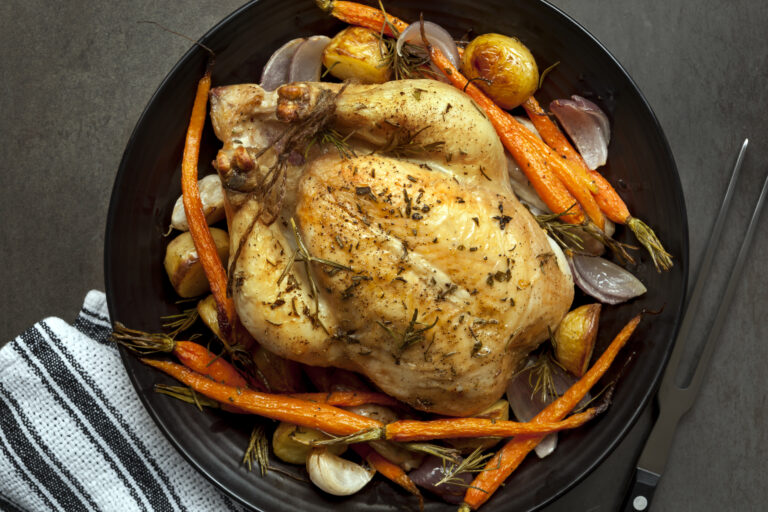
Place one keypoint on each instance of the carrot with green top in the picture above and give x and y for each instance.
(315, 415)
(192, 355)
(606, 196)
(506, 460)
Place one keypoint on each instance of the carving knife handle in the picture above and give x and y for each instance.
(641, 490)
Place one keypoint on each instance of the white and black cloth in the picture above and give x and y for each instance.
(73, 433)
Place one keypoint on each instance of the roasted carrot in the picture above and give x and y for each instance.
(506, 460)
(535, 158)
(315, 415)
(605, 195)
(198, 358)
(192, 355)
(326, 417)
(347, 398)
(389, 469)
(362, 15)
(193, 208)
(557, 141)
(411, 430)
(525, 148)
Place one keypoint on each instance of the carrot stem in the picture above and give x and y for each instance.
(193, 208)
(506, 460)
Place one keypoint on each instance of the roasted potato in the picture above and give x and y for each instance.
(574, 339)
(499, 411)
(183, 267)
(506, 64)
(292, 443)
(356, 53)
(212, 197)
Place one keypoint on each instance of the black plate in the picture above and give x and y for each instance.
(147, 184)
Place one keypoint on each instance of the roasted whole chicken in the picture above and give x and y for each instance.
(373, 228)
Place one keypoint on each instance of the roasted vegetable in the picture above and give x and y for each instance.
(335, 475)
(499, 411)
(292, 443)
(183, 265)
(357, 53)
(394, 453)
(206, 309)
(212, 196)
(574, 339)
(506, 69)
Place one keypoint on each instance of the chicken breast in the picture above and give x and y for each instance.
(402, 254)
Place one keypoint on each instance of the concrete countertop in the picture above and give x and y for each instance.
(75, 78)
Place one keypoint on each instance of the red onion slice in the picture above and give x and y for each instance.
(604, 280)
(436, 35)
(307, 62)
(275, 73)
(526, 403)
(588, 127)
(431, 472)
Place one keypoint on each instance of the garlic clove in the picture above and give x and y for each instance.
(335, 475)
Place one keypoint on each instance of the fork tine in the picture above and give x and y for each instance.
(733, 281)
(668, 382)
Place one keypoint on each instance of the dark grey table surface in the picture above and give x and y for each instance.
(76, 75)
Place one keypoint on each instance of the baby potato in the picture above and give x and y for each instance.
(183, 266)
(574, 339)
(506, 63)
(499, 411)
(356, 54)
(292, 443)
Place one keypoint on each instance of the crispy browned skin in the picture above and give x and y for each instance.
(439, 233)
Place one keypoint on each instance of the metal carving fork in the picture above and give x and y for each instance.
(674, 401)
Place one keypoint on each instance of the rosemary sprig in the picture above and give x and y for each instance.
(328, 135)
(306, 258)
(258, 449)
(411, 62)
(411, 335)
(188, 395)
(565, 234)
(450, 455)
(474, 463)
(402, 144)
(541, 377)
(570, 236)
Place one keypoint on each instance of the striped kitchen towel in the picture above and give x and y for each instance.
(73, 433)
